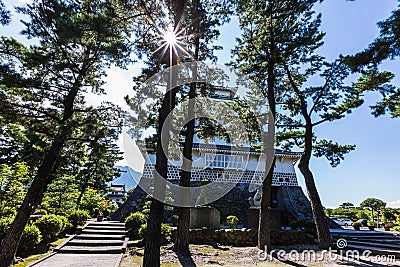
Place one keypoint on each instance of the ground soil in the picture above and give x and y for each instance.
(203, 255)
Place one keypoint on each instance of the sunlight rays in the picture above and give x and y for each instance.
(174, 40)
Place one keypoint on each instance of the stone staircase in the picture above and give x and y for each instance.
(106, 237)
(378, 242)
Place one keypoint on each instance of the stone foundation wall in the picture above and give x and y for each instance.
(235, 202)
(246, 237)
(291, 201)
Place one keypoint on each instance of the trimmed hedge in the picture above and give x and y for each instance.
(134, 222)
(30, 237)
(232, 221)
(51, 225)
(78, 217)
(165, 230)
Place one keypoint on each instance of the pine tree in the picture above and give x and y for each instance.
(76, 43)
(273, 32)
(203, 24)
(195, 24)
(163, 18)
(4, 14)
(385, 47)
(312, 105)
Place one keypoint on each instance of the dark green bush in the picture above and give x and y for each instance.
(30, 237)
(165, 230)
(305, 225)
(134, 222)
(232, 221)
(51, 225)
(78, 217)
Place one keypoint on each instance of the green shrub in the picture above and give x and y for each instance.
(306, 225)
(165, 230)
(106, 207)
(134, 222)
(51, 225)
(5, 224)
(396, 228)
(78, 217)
(142, 230)
(232, 221)
(30, 237)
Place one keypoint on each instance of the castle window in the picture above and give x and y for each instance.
(223, 161)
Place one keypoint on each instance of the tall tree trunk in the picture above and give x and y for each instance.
(153, 233)
(43, 177)
(264, 221)
(156, 215)
(82, 192)
(32, 199)
(181, 245)
(324, 237)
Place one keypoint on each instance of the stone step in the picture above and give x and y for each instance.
(99, 237)
(375, 244)
(107, 223)
(373, 241)
(88, 242)
(91, 250)
(366, 237)
(360, 232)
(364, 233)
(103, 232)
(105, 227)
(374, 249)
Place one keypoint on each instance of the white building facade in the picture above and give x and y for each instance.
(222, 161)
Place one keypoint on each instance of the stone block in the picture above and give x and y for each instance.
(204, 217)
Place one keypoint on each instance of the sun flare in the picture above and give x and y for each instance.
(170, 38)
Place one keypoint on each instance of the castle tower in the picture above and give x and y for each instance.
(244, 166)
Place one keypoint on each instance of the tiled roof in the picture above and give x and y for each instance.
(241, 149)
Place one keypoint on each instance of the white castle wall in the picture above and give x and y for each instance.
(284, 173)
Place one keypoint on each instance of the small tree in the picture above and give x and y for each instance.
(373, 204)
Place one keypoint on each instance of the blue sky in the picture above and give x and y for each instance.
(369, 171)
